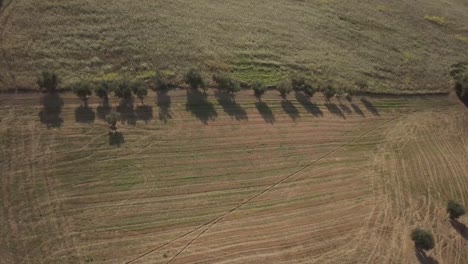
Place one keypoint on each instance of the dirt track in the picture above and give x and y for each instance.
(220, 181)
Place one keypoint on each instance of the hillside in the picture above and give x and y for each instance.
(384, 46)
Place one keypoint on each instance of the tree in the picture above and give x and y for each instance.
(102, 90)
(141, 92)
(459, 72)
(455, 209)
(309, 90)
(194, 78)
(329, 92)
(259, 89)
(226, 83)
(112, 120)
(123, 90)
(161, 81)
(284, 88)
(423, 239)
(298, 82)
(82, 90)
(48, 81)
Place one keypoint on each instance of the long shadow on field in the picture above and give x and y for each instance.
(370, 107)
(308, 105)
(345, 108)
(144, 113)
(460, 228)
(84, 114)
(52, 105)
(116, 139)
(358, 110)
(164, 104)
(334, 109)
(290, 109)
(103, 109)
(127, 112)
(231, 107)
(199, 106)
(423, 258)
(266, 112)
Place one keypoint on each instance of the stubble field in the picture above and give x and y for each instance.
(211, 180)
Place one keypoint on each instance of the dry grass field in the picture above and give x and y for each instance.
(386, 46)
(195, 180)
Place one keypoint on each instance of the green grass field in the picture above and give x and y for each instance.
(398, 46)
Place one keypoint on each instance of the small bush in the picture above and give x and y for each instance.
(423, 239)
(436, 20)
(259, 89)
(284, 88)
(123, 90)
(194, 78)
(225, 83)
(112, 120)
(48, 81)
(329, 92)
(83, 90)
(455, 209)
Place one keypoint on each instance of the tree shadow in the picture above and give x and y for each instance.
(290, 109)
(116, 139)
(199, 106)
(463, 100)
(460, 228)
(358, 110)
(52, 105)
(370, 107)
(164, 104)
(423, 258)
(144, 113)
(345, 108)
(334, 109)
(231, 107)
(127, 112)
(308, 105)
(84, 114)
(266, 112)
(103, 109)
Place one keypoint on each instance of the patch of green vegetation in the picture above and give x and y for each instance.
(462, 38)
(439, 20)
(267, 72)
(146, 75)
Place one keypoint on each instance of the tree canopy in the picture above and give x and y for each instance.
(423, 239)
(455, 209)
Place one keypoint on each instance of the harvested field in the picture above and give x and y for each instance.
(195, 180)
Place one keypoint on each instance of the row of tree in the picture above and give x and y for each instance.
(423, 239)
(125, 89)
(224, 82)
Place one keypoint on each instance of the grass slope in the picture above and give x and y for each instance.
(391, 46)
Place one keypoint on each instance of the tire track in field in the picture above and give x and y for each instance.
(213, 222)
(426, 161)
